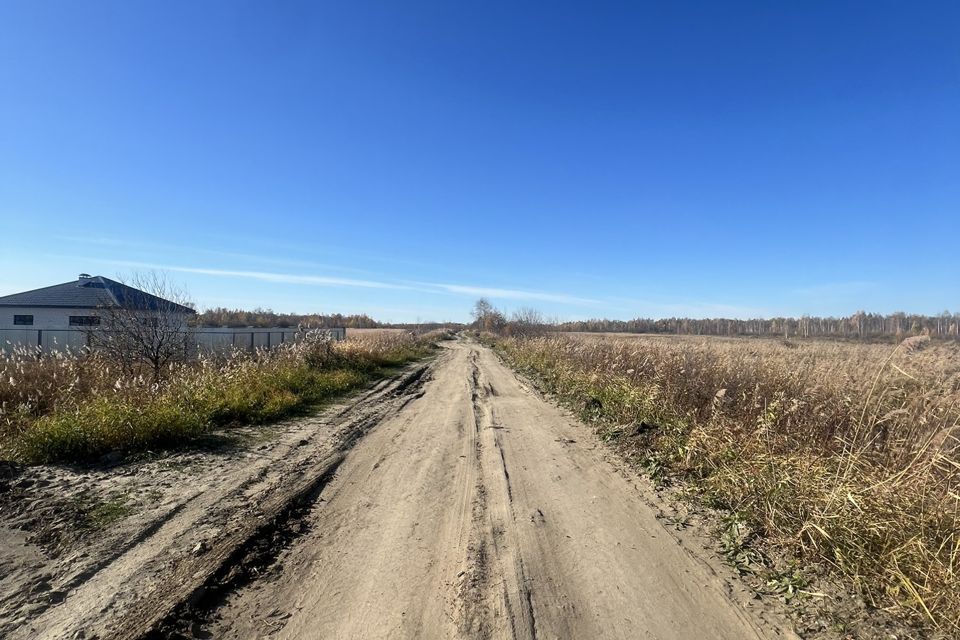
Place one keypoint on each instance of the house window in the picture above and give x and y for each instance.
(84, 321)
(22, 319)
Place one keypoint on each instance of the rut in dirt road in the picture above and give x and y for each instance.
(478, 510)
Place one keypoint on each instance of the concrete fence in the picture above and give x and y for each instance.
(206, 339)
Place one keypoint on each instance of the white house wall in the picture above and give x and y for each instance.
(53, 324)
(43, 317)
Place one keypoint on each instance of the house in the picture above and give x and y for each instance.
(63, 314)
(67, 315)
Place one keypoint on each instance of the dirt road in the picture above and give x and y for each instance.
(482, 511)
(450, 501)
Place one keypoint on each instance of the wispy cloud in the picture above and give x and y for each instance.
(334, 281)
(374, 282)
(263, 276)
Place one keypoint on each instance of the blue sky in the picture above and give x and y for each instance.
(588, 159)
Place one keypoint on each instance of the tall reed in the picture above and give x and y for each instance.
(840, 453)
(74, 406)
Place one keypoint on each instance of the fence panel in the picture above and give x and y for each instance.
(11, 338)
(206, 339)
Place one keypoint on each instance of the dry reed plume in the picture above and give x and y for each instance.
(72, 406)
(840, 453)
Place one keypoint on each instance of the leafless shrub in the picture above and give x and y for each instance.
(152, 327)
(525, 322)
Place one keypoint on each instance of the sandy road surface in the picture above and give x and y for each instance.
(207, 513)
(478, 510)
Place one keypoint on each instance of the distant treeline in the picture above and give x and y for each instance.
(424, 327)
(859, 325)
(266, 318)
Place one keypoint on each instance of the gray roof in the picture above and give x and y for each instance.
(92, 293)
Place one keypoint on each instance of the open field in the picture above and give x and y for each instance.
(354, 333)
(835, 456)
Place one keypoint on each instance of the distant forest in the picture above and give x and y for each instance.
(859, 325)
(266, 318)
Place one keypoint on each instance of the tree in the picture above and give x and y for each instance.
(481, 309)
(486, 317)
(221, 317)
(525, 322)
(150, 325)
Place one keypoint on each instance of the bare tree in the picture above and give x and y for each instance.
(481, 309)
(486, 317)
(526, 321)
(145, 320)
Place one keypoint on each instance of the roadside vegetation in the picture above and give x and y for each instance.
(841, 454)
(68, 407)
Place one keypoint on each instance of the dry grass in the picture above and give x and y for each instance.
(69, 407)
(838, 453)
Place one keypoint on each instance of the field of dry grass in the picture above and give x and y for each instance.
(68, 407)
(356, 333)
(839, 455)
